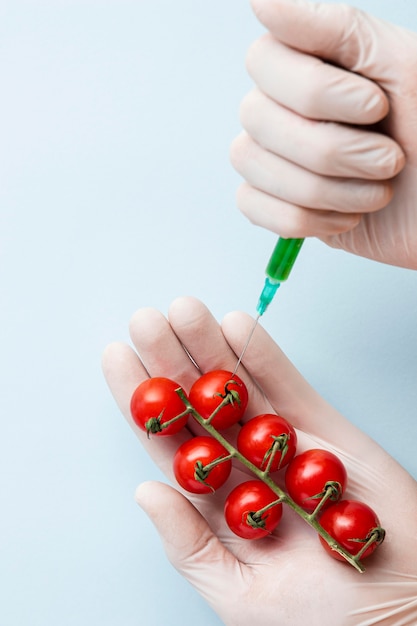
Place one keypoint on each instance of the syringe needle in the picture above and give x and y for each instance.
(246, 344)
(279, 266)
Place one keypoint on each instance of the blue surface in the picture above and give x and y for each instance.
(116, 120)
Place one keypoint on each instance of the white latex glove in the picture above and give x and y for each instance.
(316, 157)
(286, 578)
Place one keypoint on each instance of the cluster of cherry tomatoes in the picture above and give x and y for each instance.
(315, 480)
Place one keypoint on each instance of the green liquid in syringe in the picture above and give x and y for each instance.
(283, 258)
(278, 269)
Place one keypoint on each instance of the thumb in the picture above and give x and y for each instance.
(337, 32)
(191, 546)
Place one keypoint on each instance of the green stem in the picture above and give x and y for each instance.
(223, 403)
(376, 536)
(229, 397)
(282, 495)
(187, 411)
(207, 468)
(154, 425)
(260, 512)
(279, 445)
(331, 490)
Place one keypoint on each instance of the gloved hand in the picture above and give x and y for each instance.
(329, 147)
(286, 578)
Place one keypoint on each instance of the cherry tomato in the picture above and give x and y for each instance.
(155, 402)
(351, 523)
(267, 436)
(307, 475)
(191, 465)
(241, 509)
(215, 388)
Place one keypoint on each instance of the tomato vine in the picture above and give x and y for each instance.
(315, 480)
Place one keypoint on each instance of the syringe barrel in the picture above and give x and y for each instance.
(283, 258)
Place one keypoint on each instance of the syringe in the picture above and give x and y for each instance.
(277, 271)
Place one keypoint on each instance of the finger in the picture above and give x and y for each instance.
(312, 88)
(290, 220)
(164, 354)
(202, 335)
(399, 244)
(160, 349)
(318, 423)
(286, 389)
(197, 329)
(165, 346)
(191, 546)
(289, 182)
(189, 342)
(123, 372)
(324, 148)
(203, 338)
(341, 33)
(292, 397)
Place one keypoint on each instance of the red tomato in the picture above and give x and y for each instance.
(351, 523)
(156, 402)
(266, 435)
(307, 475)
(214, 388)
(191, 461)
(244, 502)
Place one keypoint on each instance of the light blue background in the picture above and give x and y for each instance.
(115, 125)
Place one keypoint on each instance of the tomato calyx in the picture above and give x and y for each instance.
(155, 425)
(279, 444)
(220, 398)
(230, 396)
(332, 491)
(254, 520)
(376, 535)
(257, 519)
(202, 472)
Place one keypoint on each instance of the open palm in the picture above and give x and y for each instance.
(286, 578)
